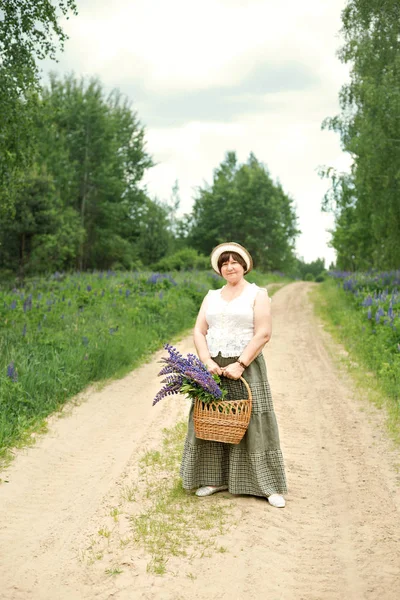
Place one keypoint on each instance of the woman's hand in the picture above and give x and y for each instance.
(233, 371)
(213, 368)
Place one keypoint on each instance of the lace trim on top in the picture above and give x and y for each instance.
(230, 324)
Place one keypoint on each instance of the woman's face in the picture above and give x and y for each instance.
(232, 271)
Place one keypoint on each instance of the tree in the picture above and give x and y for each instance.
(40, 233)
(155, 238)
(95, 147)
(90, 159)
(29, 31)
(367, 203)
(244, 205)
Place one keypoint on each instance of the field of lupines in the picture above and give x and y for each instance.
(64, 332)
(365, 309)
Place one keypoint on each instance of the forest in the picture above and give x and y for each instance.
(366, 201)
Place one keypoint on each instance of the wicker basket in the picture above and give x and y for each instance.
(223, 421)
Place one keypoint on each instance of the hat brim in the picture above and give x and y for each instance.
(230, 247)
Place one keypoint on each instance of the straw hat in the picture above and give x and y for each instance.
(230, 247)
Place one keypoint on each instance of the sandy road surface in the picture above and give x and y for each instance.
(338, 537)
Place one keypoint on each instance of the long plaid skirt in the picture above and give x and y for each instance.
(255, 465)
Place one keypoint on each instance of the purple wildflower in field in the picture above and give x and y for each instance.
(156, 277)
(85, 340)
(367, 301)
(12, 372)
(27, 303)
(179, 370)
(369, 314)
(13, 305)
(24, 330)
(89, 288)
(127, 293)
(102, 293)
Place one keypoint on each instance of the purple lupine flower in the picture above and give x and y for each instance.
(127, 293)
(367, 301)
(89, 288)
(12, 372)
(85, 340)
(179, 369)
(369, 314)
(13, 305)
(24, 330)
(27, 303)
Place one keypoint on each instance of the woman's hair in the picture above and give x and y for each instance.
(225, 258)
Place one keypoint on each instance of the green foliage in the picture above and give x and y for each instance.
(154, 238)
(29, 31)
(309, 271)
(321, 277)
(244, 205)
(374, 347)
(366, 202)
(183, 260)
(64, 332)
(81, 205)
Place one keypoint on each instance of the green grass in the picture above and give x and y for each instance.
(174, 523)
(164, 522)
(62, 333)
(371, 359)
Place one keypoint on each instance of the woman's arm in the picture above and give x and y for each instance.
(262, 335)
(199, 336)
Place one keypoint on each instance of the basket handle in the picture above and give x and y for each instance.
(247, 387)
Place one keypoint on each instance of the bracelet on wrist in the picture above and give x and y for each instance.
(241, 364)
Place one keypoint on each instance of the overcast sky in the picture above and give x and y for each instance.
(217, 75)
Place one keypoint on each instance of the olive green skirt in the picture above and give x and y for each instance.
(255, 465)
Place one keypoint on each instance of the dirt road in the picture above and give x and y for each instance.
(338, 537)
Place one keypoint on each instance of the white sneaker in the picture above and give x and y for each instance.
(277, 501)
(207, 490)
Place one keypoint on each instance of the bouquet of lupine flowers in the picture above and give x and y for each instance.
(188, 376)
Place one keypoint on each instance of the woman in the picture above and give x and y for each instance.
(232, 328)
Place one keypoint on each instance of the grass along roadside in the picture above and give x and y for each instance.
(157, 520)
(372, 365)
(59, 335)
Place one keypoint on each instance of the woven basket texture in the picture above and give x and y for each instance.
(225, 421)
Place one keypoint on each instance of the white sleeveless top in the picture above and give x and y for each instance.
(230, 324)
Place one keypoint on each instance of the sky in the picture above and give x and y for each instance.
(220, 75)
